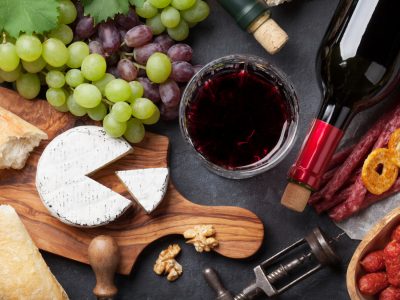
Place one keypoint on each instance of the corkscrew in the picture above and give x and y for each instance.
(319, 254)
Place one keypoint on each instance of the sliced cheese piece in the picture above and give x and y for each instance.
(17, 139)
(23, 272)
(147, 186)
(61, 179)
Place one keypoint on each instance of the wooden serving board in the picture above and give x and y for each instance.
(239, 231)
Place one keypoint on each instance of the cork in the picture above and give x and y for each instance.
(268, 33)
(295, 197)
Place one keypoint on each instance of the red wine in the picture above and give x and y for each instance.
(237, 118)
(359, 65)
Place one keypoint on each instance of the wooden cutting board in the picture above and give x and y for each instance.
(239, 231)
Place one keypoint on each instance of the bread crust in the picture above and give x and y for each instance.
(17, 139)
(13, 126)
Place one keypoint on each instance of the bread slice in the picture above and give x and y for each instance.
(17, 139)
(23, 272)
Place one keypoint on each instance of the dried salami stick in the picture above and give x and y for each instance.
(355, 201)
(341, 212)
(315, 198)
(328, 176)
(318, 196)
(339, 157)
(359, 152)
(344, 194)
(351, 205)
(333, 167)
(371, 198)
(391, 126)
(327, 205)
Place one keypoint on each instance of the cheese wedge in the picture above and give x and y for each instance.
(147, 186)
(23, 272)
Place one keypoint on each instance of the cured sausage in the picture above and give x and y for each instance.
(373, 262)
(390, 293)
(360, 151)
(396, 234)
(339, 157)
(372, 283)
(325, 205)
(392, 263)
(343, 211)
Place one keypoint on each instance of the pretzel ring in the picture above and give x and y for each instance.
(379, 181)
(394, 146)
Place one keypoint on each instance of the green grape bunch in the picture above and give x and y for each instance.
(75, 80)
(144, 43)
(124, 69)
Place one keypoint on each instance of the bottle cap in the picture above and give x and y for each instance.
(244, 12)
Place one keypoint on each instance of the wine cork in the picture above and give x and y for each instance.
(295, 197)
(269, 34)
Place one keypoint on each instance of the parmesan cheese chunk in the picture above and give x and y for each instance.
(24, 274)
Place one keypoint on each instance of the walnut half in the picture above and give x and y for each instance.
(166, 263)
(201, 236)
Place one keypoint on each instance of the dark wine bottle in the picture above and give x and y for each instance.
(359, 64)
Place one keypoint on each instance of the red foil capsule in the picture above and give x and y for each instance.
(315, 155)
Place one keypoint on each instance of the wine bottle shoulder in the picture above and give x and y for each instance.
(359, 57)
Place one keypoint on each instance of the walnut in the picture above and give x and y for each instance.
(166, 263)
(201, 236)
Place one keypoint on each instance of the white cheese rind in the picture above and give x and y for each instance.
(61, 179)
(147, 186)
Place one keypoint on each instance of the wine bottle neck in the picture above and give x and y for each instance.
(334, 113)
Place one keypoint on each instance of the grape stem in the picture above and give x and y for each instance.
(107, 102)
(139, 66)
(71, 88)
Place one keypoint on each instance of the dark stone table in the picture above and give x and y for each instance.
(305, 21)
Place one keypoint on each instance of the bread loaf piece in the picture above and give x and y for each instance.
(24, 274)
(17, 139)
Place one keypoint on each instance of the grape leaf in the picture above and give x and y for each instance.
(28, 16)
(101, 10)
